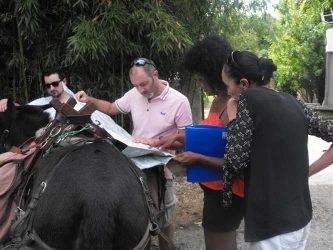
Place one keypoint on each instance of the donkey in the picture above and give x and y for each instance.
(92, 195)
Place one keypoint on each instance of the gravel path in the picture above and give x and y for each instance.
(190, 236)
(189, 233)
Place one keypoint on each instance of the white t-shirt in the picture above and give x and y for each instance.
(44, 101)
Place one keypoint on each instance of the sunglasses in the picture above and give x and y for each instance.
(141, 62)
(54, 84)
(231, 62)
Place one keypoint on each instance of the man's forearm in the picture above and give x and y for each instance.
(323, 162)
(104, 106)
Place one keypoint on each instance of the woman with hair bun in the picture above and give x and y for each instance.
(267, 143)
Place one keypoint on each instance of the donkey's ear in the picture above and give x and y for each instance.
(7, 116)
(15, 112)
(10, 97)
(10, 104)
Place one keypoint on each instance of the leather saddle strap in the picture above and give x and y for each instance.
(144, 240)
(155, 229)
(24, 224)
(32, 239)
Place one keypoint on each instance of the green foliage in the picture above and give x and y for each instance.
(247, 26)
(299, 51)
(327, 114)
(97, 40)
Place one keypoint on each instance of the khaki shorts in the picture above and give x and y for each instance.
(170, 205)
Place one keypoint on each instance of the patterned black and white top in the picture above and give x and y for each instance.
(238, 149)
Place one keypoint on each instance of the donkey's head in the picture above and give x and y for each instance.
(19, 123)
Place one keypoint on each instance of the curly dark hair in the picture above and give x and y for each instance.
(207, 58)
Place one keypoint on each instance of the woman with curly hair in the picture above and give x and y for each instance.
(206, 59)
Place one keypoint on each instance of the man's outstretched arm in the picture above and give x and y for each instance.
(103, 106)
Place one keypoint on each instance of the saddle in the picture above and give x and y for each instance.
(15, 171)
(18, 167)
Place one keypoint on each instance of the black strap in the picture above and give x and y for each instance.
(32, 239)
(24, 223)
(155, 229)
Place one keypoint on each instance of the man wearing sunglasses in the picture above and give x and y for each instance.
(53, 81)
(157, 110)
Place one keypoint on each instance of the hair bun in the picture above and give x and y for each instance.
(267, 66)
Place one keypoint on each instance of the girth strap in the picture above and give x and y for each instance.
(144, 240)
(32, 239)
(154, 227)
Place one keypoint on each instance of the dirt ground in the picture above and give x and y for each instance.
(189, 233)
